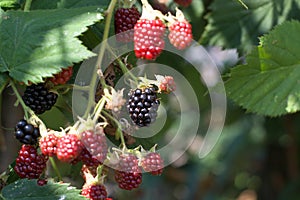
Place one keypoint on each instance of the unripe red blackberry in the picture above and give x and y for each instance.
(95, 143)
(153, 163)
(149, 38)
(127, 180)
(42, 182)
(142, 106)
(167, 84)
(94, 191)
(30, 164)
(26, 133)
(128, 173)
(180, 35)
(125, 19)
(63, 76)
(38, 98)
(88, 159)
(48, 144)
(68, 147)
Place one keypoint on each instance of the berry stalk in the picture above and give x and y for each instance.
(119, 132)
(123, 67)
(109, 12)
(25, 108)
(27, 5)
(55, 168)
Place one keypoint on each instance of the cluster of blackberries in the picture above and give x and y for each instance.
(26, 133)
(142, 106)
(38, 98)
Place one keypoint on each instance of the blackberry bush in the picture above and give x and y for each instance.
(38, 98)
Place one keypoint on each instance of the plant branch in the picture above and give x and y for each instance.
(119, 129)
(100, 56)
(27, 5)
(55, 168)
(19, 98)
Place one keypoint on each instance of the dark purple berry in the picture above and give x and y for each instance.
(26, 133)
(38, 98)
(142, 106)
(125, 19)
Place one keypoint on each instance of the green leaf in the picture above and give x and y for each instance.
(29, 190)
(3, 81)
(269, 83)
(230, 25)
(53, 4)
(9, 3)
(38, 44)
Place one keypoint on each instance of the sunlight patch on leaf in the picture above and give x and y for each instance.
(33, 47)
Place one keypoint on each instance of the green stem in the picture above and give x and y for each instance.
(123, 67)
(54, 166)
(243, 4)
(119, 129)
(25, 108)
(100, 56)
(98, 109)
(27, 5)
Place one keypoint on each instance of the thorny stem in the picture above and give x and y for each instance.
(55, 168)
(27, 5)
(119, 129)
(100, 56)
(19, 98)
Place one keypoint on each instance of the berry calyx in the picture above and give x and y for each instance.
(180, 35)
(149, 33)
(68, 147)
(30, 164)
(26, 133)
(62, 77)
(183, 3)
(94, 191)
(38, 98)
(48, 144)
(125, 20)
(143, 105)
(85, 169)
(153, 163)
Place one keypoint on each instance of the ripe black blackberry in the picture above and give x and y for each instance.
(26, 133)
(38, 98)
(125, 19)
(142, 106)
